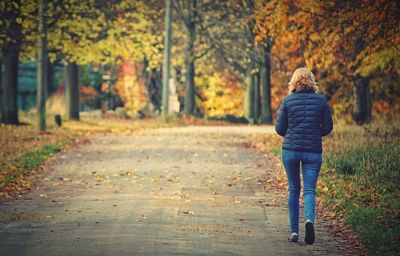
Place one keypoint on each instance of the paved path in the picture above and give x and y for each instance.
(178, 191)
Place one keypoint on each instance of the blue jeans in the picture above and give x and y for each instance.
(311, 165)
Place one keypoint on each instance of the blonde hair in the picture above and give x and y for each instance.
(302, 79)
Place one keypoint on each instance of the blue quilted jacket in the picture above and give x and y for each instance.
(303, 118)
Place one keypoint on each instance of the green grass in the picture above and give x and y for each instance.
(32, 159)
(361, 172)
(275, 150)
(376, 229)
(360, 180)
(29, 161)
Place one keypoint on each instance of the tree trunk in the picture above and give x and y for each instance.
(72, 91)
(167, 53)
(257, 99)
(266, 112)
(398, 9)
(190, 104)
(1, 90)
(9, 83)
(190, 88)
(42, 68)
(362, 100)
(249, 97)
(10, 59)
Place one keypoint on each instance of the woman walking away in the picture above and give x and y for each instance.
(303, 118)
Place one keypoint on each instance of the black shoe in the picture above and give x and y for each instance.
(310, 233)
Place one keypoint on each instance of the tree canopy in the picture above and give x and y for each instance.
(351, 46)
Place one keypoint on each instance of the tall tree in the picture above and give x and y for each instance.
(167, 61)
(265, 81)
(11, 45)
(72, 90)
(42, 67)
(106, 33)
(1, 90)
(348, 42)
(229, 28)
(187, 12)
(361, 91)
(249, 101)
(257, 96)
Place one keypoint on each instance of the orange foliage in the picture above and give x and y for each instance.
(130, 88)
(336, 39)
(87, 94)
(382, 108)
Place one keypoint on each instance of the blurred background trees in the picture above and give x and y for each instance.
(352, 46)
(229, 59)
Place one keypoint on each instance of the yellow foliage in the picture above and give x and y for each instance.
(89, 32)
(222, 94)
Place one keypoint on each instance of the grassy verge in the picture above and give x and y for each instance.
(23, 150)
(29, 161)
(359, 182)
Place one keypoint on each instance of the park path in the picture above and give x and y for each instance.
(173, 191)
